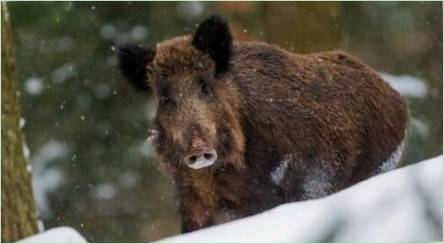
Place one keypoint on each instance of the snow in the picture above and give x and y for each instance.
(26, 152)
(190, 9)
(22, 122)
(404, 205)
(317, 183)
(108, 31)
(279, 172)
(46, 178)
(56, 235)
(102, 90)
(393, 160)
(139, 33)
(63, 73)
(34, 86)
(105, 191)
(398, 206)
(407, 85)
(40, 225)
(420, 126)
(145, 148)
(129, 179)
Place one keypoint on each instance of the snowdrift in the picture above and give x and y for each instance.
(404, 205)
(56, 235)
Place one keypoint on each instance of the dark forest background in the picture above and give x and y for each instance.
(85, 127)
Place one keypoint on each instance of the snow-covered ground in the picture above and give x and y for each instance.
(56, 235)
(403, 205)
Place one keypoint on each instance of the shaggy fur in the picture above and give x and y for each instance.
(286, 127)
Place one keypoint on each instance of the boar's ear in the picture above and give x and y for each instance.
(133, 60)
(213, 37)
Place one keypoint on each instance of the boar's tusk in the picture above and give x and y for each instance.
(152, 135)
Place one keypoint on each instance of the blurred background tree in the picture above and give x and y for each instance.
(86, 130)
(18, 207)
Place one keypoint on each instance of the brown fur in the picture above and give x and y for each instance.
(328, 112)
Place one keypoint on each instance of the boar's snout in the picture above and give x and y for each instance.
(200, 152)
(201, 158)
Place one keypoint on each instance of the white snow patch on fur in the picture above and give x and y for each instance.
(317, 183)
(279, 172)
(394, 159)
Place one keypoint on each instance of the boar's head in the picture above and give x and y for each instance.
(197, 122)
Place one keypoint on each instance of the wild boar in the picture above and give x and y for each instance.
(244, 126)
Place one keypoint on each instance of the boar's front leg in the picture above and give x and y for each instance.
(194, 214)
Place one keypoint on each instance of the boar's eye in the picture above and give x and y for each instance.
(164, 99)
(204, 87)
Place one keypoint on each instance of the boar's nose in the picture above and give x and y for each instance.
(201, 158)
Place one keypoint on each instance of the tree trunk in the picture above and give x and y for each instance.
(18, 207)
